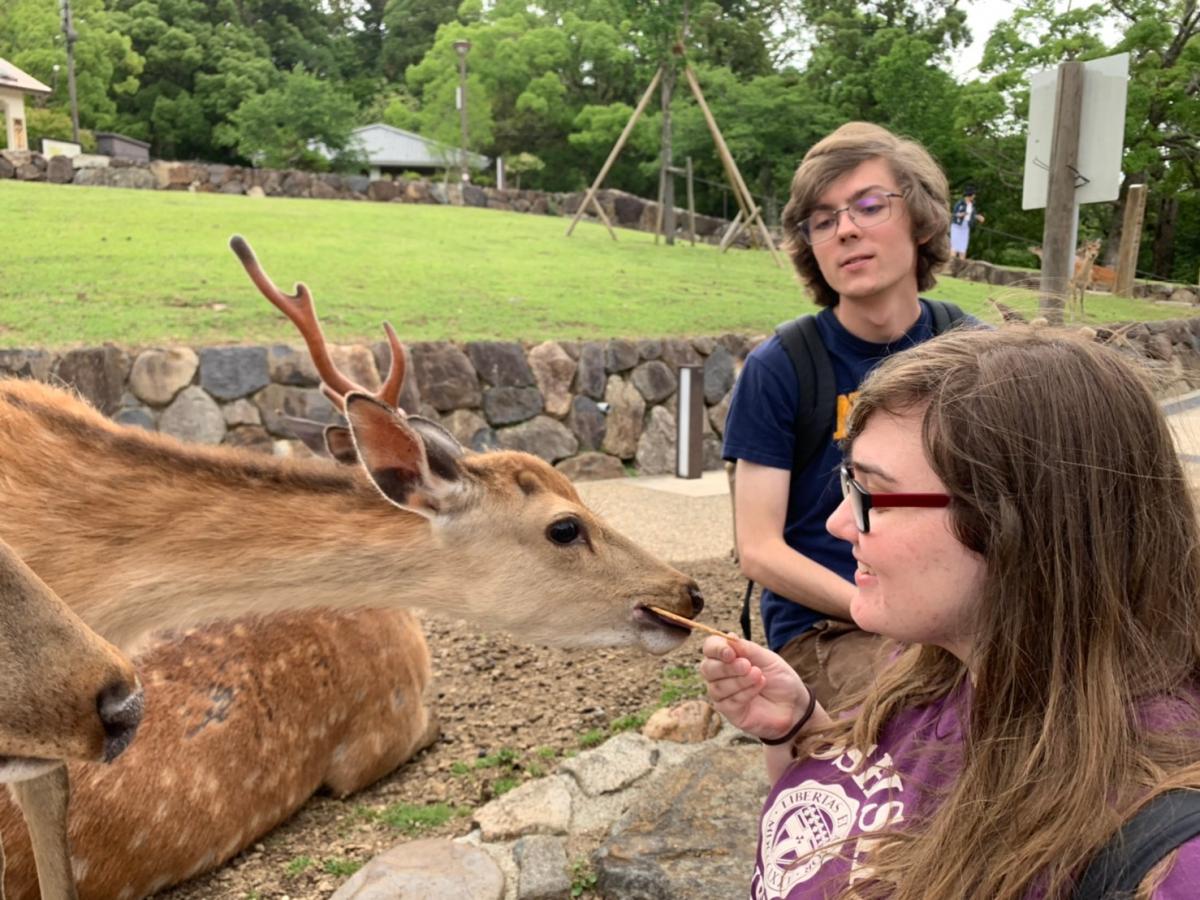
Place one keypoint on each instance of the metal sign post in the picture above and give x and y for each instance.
(1072, 156)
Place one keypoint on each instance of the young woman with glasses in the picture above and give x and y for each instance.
(1024, 533)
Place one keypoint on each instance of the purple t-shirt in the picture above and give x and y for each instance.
(821, 800)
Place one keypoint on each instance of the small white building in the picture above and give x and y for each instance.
(14, 85)
(390, 151)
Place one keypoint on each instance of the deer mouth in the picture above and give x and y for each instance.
(643, 615)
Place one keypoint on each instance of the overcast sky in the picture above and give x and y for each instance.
(982, 16)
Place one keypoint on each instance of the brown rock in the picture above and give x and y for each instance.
(445, 377)
(689, 722)
(158, 375)
(553, 371)
(541, 436)
(655, 380)
(98, 373)
(59, 170)
(430, 868)
(687, 838)
(656, 446)
(592, 467)
(588, 423)
(623, 427)
(500, 363)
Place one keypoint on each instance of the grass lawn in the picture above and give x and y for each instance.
(87, 265)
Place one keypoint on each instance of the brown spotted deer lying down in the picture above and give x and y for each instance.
(65, 694)
(141, 533)
(246, 720)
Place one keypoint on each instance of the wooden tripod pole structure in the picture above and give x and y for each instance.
(590, 197)
(750, 212)
(750, 215)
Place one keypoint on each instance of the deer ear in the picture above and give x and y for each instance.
(442, 449)
(395, 457)
(339, 443)
(308, 432)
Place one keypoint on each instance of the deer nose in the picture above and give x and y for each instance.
(696, 597)
(120, 707)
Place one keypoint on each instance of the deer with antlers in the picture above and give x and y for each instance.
(67, 695)
(141, 533)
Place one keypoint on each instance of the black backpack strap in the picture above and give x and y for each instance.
(1170, 819)
(814, 422)
(814, 375)
(745, 616)
(945, 315)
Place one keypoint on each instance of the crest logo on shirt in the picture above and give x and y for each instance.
(799, 821)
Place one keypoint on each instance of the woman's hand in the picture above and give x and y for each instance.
(753, 688)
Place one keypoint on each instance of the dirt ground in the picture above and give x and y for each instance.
(508, 713)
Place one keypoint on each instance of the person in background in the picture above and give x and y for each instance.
(1023, 531)
(866, 229)
(962, 219)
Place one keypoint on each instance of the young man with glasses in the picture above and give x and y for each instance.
(866, 227)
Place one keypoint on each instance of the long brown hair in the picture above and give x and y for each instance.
(1086, 662)
(919, 178)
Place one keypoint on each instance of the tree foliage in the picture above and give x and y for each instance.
(285, 126)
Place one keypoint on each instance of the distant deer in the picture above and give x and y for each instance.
(1082, 280)
(65, 694)
(1098, 277)
(139, 533)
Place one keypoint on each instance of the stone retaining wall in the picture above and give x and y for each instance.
(591, 408)
(595, 409)
(623, 210)
(988, 273)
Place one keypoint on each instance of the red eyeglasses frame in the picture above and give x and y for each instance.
(863, 501)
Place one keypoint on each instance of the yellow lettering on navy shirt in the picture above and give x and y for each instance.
(845, 403)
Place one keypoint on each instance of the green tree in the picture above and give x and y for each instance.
(280, 127)
(1162, 122)
(107, 67)
(523, 164)
(768, 123)
(408, 30)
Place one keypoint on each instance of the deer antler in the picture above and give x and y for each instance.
(300, 309)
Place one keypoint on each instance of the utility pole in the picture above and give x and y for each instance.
(666, 180)
(461, 47)
(1062, 208)
(72, 36)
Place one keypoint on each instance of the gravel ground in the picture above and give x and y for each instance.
(508, 713)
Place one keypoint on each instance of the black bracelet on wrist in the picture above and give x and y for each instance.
(795, 729)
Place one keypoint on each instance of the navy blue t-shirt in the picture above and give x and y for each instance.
(760, 429)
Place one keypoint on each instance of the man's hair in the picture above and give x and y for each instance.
(1086, 651)
(918, 177)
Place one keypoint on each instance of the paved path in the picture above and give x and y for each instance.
(678, 519)
(1183, 415)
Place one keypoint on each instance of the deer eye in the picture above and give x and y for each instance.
(565, 531)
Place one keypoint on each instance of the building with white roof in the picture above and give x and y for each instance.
(390, 150)
(14, 85)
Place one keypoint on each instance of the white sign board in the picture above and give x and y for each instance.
(60, 148)
(1101, 132)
